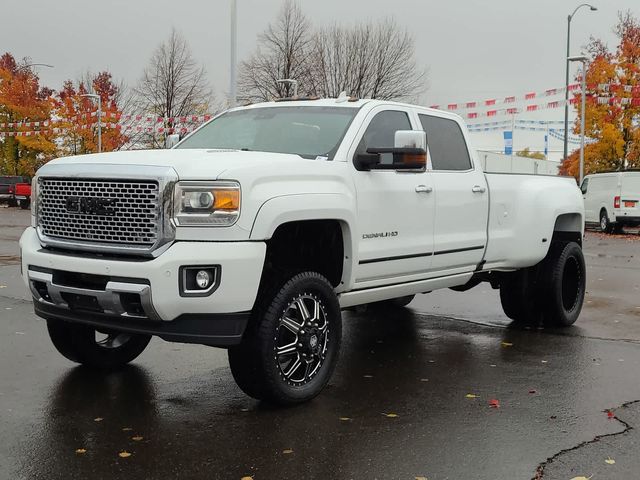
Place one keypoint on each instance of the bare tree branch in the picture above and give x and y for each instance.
(172, 85)
(366, 60)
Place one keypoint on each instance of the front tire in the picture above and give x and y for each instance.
(85, 345)
(292, 344)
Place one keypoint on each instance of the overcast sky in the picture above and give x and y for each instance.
(473, 49)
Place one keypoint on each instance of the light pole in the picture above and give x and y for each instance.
(583, 60)
(233, 54)
(566, 86)
(94, 96)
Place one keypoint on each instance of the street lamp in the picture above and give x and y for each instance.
(583, 60)
(566, 89)
(233, 54)
(94, 96)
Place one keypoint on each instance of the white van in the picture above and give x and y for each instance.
(612, 200)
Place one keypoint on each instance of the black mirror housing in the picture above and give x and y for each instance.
(366, 161)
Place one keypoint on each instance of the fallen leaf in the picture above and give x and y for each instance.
(368, 376)
(124, 454)
(126, 429)
(137, 438)
(246, 478)
(582, 478)
(3, 286)
(544, 361)
(287, 451)
(471, 395)
(98, 419)
(492, 365)
(424, 379)
(493, 403)
(506, 344)
(80, 451)
(345, 419)
(610, 414)
(610, 461)
(422, 478)
(390, 415)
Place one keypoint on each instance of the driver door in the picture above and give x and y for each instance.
(395, 209)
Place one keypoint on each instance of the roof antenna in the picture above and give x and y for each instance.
(343, 97)
(293, 83)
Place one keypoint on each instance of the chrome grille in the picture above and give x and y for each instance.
(132, 218)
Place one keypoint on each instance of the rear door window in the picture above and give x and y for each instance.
(446, 143)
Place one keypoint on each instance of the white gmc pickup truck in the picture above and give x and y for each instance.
(256, 230)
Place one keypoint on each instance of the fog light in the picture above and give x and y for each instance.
(199, 280)
(203, 279)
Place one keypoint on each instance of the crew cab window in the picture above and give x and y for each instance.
(381, 132)
(585, 186)
(447, 146)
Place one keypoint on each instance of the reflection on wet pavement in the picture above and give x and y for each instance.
(418, 368)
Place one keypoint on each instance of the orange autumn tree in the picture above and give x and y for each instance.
(613, 123)
(76, 116)
(23, 149)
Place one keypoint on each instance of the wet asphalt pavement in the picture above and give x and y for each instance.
(398, 407)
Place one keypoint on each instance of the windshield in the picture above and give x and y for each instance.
(311, 132)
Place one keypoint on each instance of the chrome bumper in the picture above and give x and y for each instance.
(109, 299)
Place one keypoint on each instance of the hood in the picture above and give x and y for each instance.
(188, 164)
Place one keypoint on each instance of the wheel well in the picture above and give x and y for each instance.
(568, 227)
(310, 245)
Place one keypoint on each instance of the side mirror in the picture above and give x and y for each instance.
(172, 140)
(409, 153)
(411, 139)
(366, 161)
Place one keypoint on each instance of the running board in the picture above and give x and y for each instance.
(377, 294)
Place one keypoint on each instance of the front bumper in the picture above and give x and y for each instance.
(143, 295)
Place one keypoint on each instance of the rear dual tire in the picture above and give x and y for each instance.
(551, 293)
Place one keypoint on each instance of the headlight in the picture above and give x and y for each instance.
(214, 204)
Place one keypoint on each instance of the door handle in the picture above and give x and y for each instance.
(424, 189)
(478, 189)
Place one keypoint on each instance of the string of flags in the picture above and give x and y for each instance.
(528, 125)
(122, 128)
(607, 94)
(121, 119)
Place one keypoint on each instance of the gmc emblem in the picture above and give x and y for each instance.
(91, 206)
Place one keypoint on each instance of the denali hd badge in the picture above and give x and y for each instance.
(367, 236)
(91, 206)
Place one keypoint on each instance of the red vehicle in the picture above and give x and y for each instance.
(15, 190)
(23, 195)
